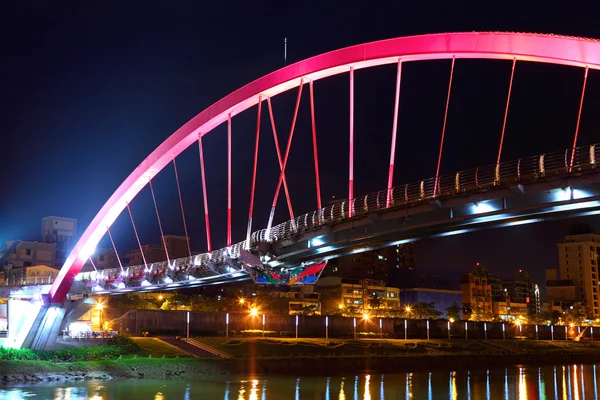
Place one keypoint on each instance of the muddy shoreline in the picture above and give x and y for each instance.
(31, 372)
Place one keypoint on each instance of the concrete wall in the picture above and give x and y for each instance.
(174, 322)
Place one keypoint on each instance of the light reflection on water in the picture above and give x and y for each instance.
(569, 382)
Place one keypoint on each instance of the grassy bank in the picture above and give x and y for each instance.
(307, 357)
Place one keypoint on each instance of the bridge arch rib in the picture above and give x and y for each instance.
(570, 51)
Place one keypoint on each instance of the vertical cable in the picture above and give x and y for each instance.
(254, 173)
(314, 137)
(351, 163)
(162, 235)
(228, 180)
(285, 159)
(285, 186)
(578, 119)
(437, 171)
(204, 194)
(187, 238)
(394, 130)
(115, 248)
(136, 236)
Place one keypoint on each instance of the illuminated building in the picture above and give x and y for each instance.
(578, 271)
(337, 291)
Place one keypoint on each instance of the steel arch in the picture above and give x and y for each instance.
(552, 49)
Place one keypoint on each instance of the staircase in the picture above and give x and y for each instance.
(197, 343)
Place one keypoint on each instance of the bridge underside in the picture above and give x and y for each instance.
(269, 263)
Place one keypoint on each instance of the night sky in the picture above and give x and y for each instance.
(90, 90)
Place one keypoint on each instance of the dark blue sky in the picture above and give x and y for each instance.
(90, 90)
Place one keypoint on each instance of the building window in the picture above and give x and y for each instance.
(27, 263)
(101, 257)
(27, 252)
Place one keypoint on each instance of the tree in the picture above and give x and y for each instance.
(423, 310)
(375, 301)
(308, 310)
(478, 314)
(131, 300)
(176, 302)
(453, 312)
(575, 315)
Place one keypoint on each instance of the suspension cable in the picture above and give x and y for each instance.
(512, 74)
(578, 119)
(228, 180)
(115, 248)
(437, 171)
(314, 137)
(187, 238)
(162, 235)
(136, 236)
(394, 130)
(254, 173)
(285, 159)
(351, 156)
(204, 194)
(277, 148)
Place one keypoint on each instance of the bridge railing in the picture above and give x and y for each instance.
(482, 178)
(220, 262)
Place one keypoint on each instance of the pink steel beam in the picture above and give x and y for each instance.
(578, 119)
(162, 235)
(512, 74)
(229, 180)
(437, 171)
(254, 173)
(285, 186)
(204, 195)
(394, 129)
(287, 153)
(351, 164)
(115, 248)
(137, 236)
(551, 49)
(314, 137)
(187, 237)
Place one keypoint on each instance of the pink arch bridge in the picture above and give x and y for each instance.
(514, 47)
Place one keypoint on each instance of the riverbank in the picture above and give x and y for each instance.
(290, 357)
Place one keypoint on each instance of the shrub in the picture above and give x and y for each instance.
(124, 343)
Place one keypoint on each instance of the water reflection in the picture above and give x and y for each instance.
(569, 382)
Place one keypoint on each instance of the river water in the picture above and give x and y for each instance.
(568, 382)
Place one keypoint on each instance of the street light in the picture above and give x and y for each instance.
(253, 312)
(241, 300)
(187, 330)
(160, 297)
(227, 325)
(100, 307)
(407, 309)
